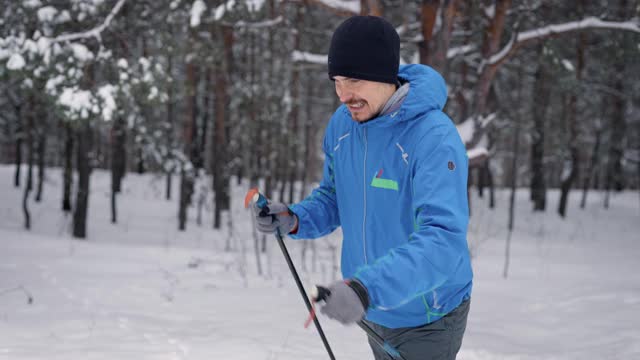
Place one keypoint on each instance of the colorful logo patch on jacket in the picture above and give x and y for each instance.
(381, 183)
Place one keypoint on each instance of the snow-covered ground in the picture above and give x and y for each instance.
(142, 290)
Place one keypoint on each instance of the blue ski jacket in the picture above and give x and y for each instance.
(397, 185)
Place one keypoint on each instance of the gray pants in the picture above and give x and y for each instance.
(439, 340)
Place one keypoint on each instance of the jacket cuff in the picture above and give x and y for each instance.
(301, 214)
(361, 291)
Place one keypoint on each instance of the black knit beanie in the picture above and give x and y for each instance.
(366, 48)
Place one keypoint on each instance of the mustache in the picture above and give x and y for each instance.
(353, 102)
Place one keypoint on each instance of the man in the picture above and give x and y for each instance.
(395, 180)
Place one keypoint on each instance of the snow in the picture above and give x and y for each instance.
(16, 62)
(4, 53)
(477, 152)
(47, 14)
(254, 5)
(301, 56)
(460, 50)
(53, 83)
(77, 101)
(31, 4)
(81, 52)
(63, 17)
(347, 5)
(197, 9)
(568, 65)
(586, 23)
(490, 11)
(174, 4)
(222, 9)
(140, 289)
(107, 93)
(153, 93)
(466, 130)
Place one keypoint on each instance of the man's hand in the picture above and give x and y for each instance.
(347, 303)
(275, 216)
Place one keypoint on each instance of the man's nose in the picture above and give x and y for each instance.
(345, 96)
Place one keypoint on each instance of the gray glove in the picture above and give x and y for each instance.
(275, 216)
(347, 303)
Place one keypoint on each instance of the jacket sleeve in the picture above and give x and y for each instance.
(318, 212)
(438, 242)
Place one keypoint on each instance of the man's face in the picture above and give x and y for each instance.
(363, 98)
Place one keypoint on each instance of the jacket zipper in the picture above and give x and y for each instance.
(364, 183)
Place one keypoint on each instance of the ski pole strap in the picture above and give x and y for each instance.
(388, 348)
(321, 293)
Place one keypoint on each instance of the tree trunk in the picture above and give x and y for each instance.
(371, 7)
(19, 141)
(42, 145)
(84, 173)
(572, 118)
(593, 166)
(447, 16)
(187, 171)
(169, 158)
(490, 45)
(201, 155)
(118, 162)
(186, 191)
(490, 184)
(512, 197)
(220, 174)
(67, 177)
(429, 12)
(308, 138)
(294, 116)
(541, 97)
(615, 175)
(169, 185)
(29, 186)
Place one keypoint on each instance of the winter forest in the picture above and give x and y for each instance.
(130, 131)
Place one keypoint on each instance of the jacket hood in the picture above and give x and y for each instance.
(427, 92)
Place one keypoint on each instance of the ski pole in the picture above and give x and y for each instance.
(254, 196)
(321, 293)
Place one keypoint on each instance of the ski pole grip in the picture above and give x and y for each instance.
(254, 196)
(320, 293)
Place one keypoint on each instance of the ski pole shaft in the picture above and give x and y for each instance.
(321, 293)
(260, 200)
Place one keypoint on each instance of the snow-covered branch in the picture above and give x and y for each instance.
(556, 29)
(95, 32)
(460, 50)
(300, 56)
(341, 7)
(259, 24)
